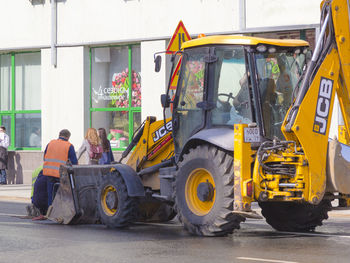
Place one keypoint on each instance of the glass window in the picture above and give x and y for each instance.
(116, 124)
(6, 121)
(231, 93)
(137, 120)
(28, 79)
(20, 113)
(5, 82)
(278, 75)
(28, 130)
(191, 92)
(116, 92)
(192, 84)
(136, 77)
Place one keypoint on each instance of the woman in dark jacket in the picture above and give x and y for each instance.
(107, 155)
(3, 164)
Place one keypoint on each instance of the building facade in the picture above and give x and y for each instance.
(84, 63)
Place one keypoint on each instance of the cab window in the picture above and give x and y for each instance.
(231, 89)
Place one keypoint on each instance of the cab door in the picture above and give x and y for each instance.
(189, 106)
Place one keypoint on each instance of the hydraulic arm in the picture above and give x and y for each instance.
(308, 122)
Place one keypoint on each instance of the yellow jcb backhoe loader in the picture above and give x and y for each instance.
(250, 123)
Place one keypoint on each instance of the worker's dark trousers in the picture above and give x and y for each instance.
(50, 183)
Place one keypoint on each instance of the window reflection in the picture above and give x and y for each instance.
(28, 130)
(278, 77)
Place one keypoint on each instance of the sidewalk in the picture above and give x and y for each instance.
(15, 192)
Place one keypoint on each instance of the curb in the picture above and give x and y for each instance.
(339, 214)
(15, 193)
(15, 199)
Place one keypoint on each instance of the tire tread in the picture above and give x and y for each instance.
(225, 221)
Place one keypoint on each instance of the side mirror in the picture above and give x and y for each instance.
(157, 63)
(165, 100)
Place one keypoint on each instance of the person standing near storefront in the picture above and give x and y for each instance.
(34, 138)
(107, 155)
(92, 145)
(57, 153)
(4, 144)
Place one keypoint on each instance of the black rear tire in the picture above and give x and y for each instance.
(115, 207)
(295, 217)
(213, 216)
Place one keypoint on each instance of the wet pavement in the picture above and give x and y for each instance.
(24, 240)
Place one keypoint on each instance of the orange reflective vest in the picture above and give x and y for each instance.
(55, 156)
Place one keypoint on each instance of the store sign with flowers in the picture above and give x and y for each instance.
(118, 93)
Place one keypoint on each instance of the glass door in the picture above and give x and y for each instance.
(191, 92)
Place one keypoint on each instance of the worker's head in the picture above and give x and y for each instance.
(2, 129)
(65, 134)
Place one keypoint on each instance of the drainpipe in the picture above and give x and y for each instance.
(53, 33)
(242, 15)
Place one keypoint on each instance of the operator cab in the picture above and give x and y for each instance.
(225, 80)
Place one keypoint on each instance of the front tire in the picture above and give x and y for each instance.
(295, 217)
(115, 207)
(203, 192)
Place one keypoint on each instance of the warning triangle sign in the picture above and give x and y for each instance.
(180, 36)
(175, 77)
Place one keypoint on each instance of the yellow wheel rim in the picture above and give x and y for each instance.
(109, 200)
(195, 204)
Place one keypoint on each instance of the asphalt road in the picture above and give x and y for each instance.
(22, 240)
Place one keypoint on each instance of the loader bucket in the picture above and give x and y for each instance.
(75, 199)
(338, 167)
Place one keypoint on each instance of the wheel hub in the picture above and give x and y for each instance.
(200, 191)
(112, 200)
(205, 191)
(109, 200)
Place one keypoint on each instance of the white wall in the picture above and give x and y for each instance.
(24, 25)
(153, 83)
(83, 21)
(63, 94)
(119, 19)
(270, 13)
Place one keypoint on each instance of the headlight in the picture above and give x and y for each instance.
(272, 50)
(261, 48)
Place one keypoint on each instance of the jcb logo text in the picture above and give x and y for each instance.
(323, 106)
(161, 132)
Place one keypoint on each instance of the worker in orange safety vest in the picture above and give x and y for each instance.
(57, 153)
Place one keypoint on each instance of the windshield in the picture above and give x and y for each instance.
(278, 75)
(231, 92)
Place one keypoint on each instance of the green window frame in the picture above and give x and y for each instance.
(13, 112)
(131, 110)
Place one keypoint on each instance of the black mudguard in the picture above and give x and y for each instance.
(132, 180)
